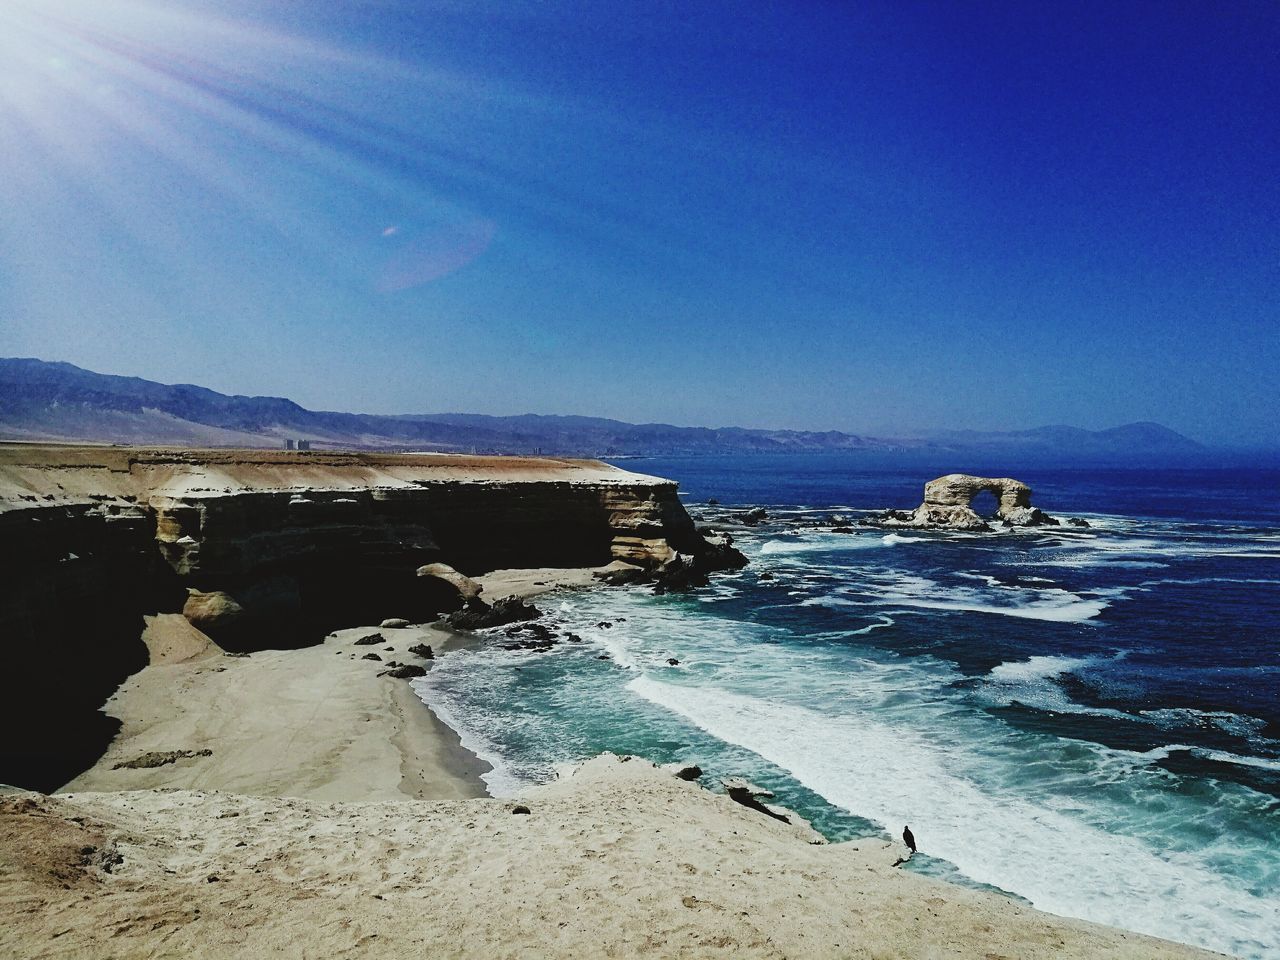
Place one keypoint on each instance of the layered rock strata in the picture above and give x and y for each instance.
(264, 548)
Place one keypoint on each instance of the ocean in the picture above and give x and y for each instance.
(1085, 719)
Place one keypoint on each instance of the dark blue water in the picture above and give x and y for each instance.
(1087, 719)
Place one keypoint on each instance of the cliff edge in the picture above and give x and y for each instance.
(273, 549)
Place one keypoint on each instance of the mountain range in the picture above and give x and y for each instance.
(41, 400)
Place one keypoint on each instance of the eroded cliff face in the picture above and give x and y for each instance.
(270, 549)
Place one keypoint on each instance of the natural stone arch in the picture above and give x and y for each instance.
(948, 502)
(959, 489)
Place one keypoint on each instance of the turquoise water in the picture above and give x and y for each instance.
(1084, 719)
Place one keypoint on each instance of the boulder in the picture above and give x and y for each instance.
(423, 650)
(620, 573)
(1028, 517)
(680, 575)
(213, 612)
(394, 623)
(477, 615)
(405, 671)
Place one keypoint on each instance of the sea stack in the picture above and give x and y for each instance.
(948, 504)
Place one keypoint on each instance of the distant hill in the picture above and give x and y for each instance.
(40, 400)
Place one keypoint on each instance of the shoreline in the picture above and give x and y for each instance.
(315, 722)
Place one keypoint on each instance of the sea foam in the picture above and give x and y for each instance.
(1062, 863)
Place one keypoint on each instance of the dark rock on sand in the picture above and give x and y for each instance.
(368, 639)
(477, 614)
(405, 671)
(159, 758)
(745, 792)
(423, 650)
(371, 656)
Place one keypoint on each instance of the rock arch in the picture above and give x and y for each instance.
(948, 502)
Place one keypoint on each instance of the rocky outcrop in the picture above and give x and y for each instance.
(478, 615)
(948, 504)
(271, 548)
(451, 579)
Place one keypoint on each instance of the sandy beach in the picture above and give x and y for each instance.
(318, 722)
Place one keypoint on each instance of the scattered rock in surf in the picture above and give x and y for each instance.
(371, 656)
(754, 516)
(604, 656)
(1077, 522)
(160, 758)
(367, 639)
(765, 576)
(422, 650)
(680, 575)
(672, 662)
(394, 623)
(604, 624)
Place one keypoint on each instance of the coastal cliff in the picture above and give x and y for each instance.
(271, 549)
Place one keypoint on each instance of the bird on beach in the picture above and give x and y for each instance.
(909, 839)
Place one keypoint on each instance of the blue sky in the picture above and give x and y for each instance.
(873, 217)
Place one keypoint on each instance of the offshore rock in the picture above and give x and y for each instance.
(948, 504)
